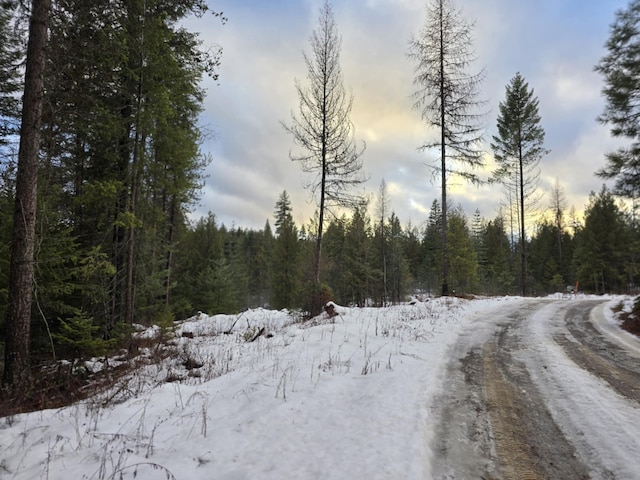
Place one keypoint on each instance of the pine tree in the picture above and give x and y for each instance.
(357, 258)
(283, 211)
(399, 277)
(259, 252)
(477, 228)
(601, 245)
(334, 267)
(121, 142)
(197, 261)
(499, 276)
(464, 259)
(545, 268)
(620, 68)
(10, 80)
(413, 255)
(432, 248)
(518, 148)
(285, 277)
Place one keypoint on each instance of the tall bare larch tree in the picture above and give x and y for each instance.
(323, 129)
(447, 97)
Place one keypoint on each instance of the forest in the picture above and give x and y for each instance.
(381, 261)
(120, 167)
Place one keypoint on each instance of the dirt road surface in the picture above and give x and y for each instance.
(542, 390)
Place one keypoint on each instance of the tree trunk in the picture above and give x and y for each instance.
(18, 320)
(443, 164)
(323, 178)
(169, 258)
(523, 257)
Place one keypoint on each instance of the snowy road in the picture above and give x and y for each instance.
(540, 390)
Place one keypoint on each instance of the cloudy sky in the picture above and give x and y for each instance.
(554, 44)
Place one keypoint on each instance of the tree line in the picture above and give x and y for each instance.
(381, 261)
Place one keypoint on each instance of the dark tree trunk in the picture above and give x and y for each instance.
(443, 163)
(523, 240)
(16, 363)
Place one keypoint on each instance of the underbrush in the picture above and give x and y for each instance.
(202, 348)
(61, 383)
(629, 319)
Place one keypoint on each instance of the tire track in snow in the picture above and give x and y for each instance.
(586, 346)
(513, 450)
(494, 420)
(598, 420)
(529, 444)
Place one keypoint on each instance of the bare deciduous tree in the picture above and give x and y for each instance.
(447, 97)
(383, 210)
(323, 129)
(558, 205)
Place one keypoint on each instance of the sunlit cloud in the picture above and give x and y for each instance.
(418, 207)
(263, 44)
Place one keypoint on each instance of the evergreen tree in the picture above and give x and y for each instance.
(413, 255)
(399, 277)
(432, 249)
(498, 274)
(260, 246)
(119, 167)
(334, 268)
(238, 280)
(463, 256)
(518, 148)
(620, 68)
(477, 229)
(10, 80)
(197, 262)
(447, 97)
(545, 270)
(10, 86)
(285, 277)
(601, 244)
(283, 211)
(357, 263)
(121, 148)
(632, 267)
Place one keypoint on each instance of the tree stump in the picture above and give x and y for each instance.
(330, 308)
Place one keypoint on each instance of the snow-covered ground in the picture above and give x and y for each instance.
(350, 397)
